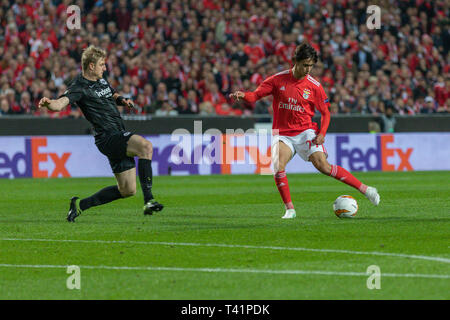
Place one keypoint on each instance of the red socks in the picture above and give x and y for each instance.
(337, 172)
(344, 176)
(283, 187)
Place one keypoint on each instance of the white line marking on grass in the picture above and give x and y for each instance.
(374, 253)
(222, 270)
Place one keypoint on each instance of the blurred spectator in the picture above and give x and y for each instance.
(372, 106)
(4, 107)
(166, 110)
(374, 127)
(192, 100)
(25, 102)
(263, 106)
(388, 120)
(238, 54)
(224, 109)
(123, 16)
(214, 96)
(173, 81)
(157, 103)
(360, 106)
(254, 50)
(207, 109)
(107, 14)
(429, 106)
(445, 108)
(140, 103)
(334, 109)
(183, 106)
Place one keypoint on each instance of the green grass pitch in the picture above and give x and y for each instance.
(222, 237)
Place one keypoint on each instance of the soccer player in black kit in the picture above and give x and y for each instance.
(98, 101)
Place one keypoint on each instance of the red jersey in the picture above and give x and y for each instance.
(294, 102)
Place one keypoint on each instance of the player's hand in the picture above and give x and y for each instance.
(238, 95)
(44, 103)
(319, 139)
(129, 103)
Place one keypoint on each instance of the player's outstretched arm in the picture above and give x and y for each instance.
(264, 89)
(54, 105)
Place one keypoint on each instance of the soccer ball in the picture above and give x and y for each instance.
(345, 207)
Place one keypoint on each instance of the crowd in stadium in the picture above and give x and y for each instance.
(185, 57)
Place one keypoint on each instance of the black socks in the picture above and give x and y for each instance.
(146, 178)
(105, 195)
(112, 193)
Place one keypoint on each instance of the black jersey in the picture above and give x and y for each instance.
(95, 99)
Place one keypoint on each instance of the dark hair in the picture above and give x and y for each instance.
(304, 51)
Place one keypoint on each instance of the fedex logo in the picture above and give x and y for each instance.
(378, 158)
(27, 164)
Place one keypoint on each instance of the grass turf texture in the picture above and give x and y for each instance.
(412, 219)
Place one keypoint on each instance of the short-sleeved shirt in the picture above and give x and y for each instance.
(294, 102)
(95, 99)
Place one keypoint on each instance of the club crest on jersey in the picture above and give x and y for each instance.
(306, 93)
(103, 81)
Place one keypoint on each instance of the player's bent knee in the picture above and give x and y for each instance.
(281, 163)
(127, 192)
(147, 149)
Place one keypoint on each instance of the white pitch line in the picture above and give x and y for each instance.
(222, 270)
(373, 253)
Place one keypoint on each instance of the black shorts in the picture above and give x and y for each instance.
(114, 146)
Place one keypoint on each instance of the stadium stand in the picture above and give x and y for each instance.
(185, 57)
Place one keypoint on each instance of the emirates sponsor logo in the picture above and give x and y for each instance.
(291, 105)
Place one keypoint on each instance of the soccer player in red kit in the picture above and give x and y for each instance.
(296, 95)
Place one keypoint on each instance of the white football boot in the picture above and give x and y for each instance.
(372, 195)
(290, 214)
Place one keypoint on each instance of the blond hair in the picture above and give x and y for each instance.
(91, 55)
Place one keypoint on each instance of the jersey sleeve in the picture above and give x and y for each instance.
(74, 93)
(322, 104)
(264, 89)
